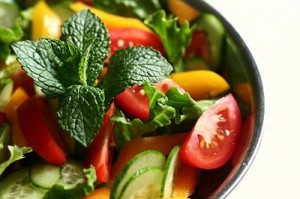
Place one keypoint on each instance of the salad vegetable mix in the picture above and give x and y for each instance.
(111, 99)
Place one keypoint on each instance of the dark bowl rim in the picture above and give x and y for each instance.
(225, 189)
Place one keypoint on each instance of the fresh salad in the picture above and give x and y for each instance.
(111, 99)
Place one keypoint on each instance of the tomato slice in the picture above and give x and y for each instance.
(199, 46)
(134, 101)
(214, 137)
(126, 37)
(41, 130)
(99, 154)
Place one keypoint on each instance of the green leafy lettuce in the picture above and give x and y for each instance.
(67, 69)
(175, 38)
(165, 109)
(15, 153)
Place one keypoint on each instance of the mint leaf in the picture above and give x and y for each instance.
(89, 35)
(134, 65)
(50, 63)
(80, 112)
(175, 38)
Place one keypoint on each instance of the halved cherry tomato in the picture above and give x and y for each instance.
(126, 37)
(99, 154)
(21, 79)
(199, 46)
(134, 102)
(41, 130)
(214, 137)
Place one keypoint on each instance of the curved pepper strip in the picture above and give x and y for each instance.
(45, 22)
(110, 20)
(201, 84)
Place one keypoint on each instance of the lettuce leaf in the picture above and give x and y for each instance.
(171, 108)
(16, 153)
(169, 31)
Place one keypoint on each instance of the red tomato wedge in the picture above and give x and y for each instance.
(126, 37)
(214, 137)
(134, 102)
(199, 46)
(41, 130)
(99, 154)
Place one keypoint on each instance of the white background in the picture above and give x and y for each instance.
(271, 29)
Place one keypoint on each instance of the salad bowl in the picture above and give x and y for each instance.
(160, 99)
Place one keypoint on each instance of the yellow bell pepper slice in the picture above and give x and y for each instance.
(110, 20)
(182, 10)
(45, 22)
(201, 84)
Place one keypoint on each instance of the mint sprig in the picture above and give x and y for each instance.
(67, 69)
(134, 66)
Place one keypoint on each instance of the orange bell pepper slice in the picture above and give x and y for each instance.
(101, 193)
(18, 97)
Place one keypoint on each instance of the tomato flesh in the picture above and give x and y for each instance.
(214, 137)
(99, 154)
(134, 101)
(127, 37)
(199, 46)
(41, 130)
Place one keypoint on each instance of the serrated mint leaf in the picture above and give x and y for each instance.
(51, 63)
(87, 32)
(175, 38)
(134, 65)
(80, 112)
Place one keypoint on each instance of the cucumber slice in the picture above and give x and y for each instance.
(144, 183)
(71, 175)
(170, 169)
(44, 175)
(141, 160)
(17, 185)
(215, 35)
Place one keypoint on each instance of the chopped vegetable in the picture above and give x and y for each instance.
(111, 20)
